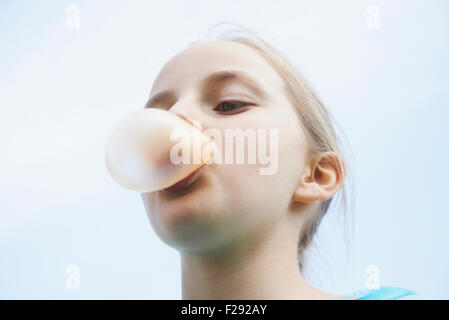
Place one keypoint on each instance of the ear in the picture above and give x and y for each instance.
(321, 179)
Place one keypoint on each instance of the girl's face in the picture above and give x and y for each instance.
(229, 202)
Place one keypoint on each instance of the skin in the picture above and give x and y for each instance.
(236, 230)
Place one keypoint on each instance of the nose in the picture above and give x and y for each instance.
(184, 116)
(181, 112)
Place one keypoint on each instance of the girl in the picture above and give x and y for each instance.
(241, 234)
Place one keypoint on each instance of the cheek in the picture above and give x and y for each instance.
(251, 199)
(244, 186)
(236, 197)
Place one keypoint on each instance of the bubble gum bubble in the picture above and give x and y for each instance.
(144, 151)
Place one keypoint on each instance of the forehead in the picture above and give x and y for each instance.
(194, 64)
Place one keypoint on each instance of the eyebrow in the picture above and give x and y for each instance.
(213, 79)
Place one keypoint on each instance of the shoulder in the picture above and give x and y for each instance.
(384, 293)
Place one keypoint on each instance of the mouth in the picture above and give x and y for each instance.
(185, 182)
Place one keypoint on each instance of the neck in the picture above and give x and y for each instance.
(259, 269)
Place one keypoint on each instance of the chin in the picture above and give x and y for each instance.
(197, 235)
(201, 208)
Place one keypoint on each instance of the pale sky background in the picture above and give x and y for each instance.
(382, 68)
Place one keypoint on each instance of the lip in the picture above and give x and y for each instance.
(185, 182)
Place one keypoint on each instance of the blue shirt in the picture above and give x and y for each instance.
(383, 293)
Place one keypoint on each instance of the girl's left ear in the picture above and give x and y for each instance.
(321, 179)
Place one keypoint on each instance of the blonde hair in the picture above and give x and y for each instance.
(316, 120)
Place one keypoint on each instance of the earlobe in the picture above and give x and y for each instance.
(307, 193)
(322, 179)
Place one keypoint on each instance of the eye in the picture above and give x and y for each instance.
(230, 107)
